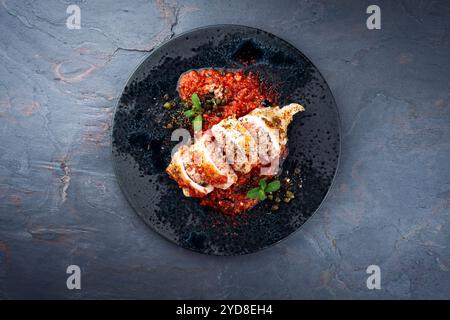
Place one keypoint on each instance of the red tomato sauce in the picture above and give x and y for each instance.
(234, 199)
(241, 93)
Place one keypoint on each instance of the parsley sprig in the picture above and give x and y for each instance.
(261, 191)
(195, 112)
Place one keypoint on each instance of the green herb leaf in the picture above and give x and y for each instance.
(263, 183)
(261, 194)
(189, 113)
(253, 193)
(197, 123)
(196, 105)
(273, 186)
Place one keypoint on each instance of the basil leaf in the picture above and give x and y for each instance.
(197, 123)
(263, 183)
(253, 193)
(273, 186)
(261, 194)
(189, 113)
(196, 102)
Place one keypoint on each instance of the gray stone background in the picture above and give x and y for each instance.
(60, 203)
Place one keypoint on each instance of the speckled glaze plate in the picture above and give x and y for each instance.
(141, 147)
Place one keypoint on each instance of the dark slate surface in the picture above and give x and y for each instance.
(60, 203)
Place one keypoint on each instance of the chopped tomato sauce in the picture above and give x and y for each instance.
(234, 199)
(240, 93)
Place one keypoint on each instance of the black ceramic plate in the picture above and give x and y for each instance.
(141, 147)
